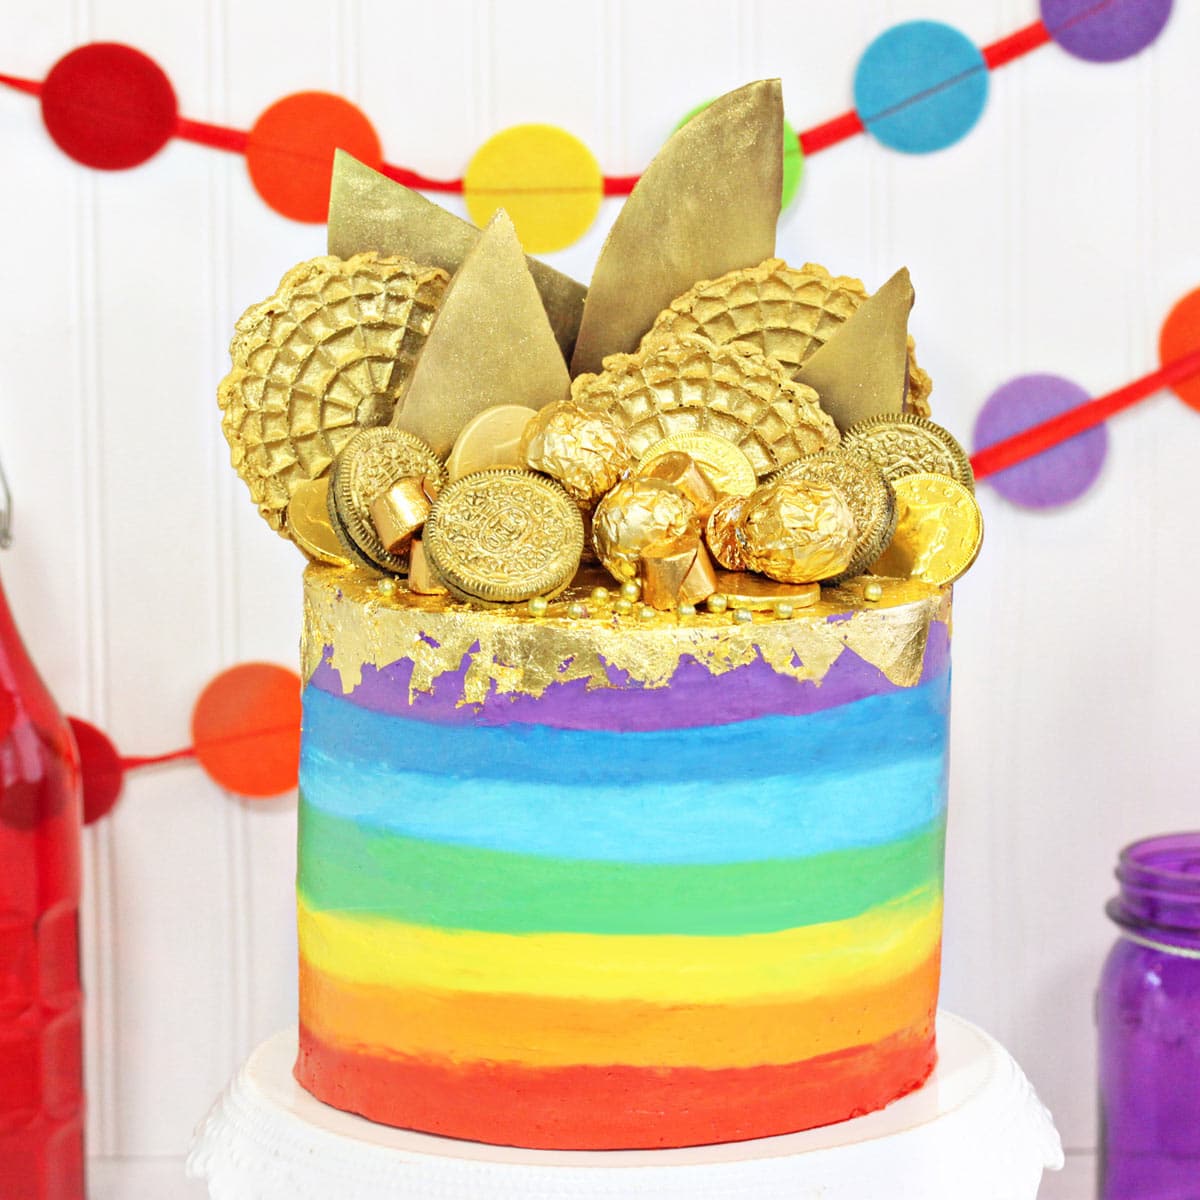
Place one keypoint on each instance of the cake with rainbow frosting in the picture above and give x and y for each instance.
(625, 658)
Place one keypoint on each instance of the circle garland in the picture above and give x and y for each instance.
(919, 87)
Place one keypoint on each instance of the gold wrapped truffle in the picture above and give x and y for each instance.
(399, 512)
(586, 452)
(798, 531)
(723, 533)
(637, 516)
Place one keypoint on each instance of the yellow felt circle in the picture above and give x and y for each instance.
(547, 181)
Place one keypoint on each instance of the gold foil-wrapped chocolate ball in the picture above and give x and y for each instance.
(798, 531)
(723, 533)
(639, 515)
(586, 452)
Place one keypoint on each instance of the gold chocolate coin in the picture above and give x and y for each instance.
(504, 535)
(756, 592)
(901, 444)
(867, 493)
(939, 530)
(724, 463)
(491, 438)
(371, 464)
(309, 526)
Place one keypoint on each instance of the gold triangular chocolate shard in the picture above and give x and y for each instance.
(707, 204)
(369, 211)
(490, 344)
(862, 370)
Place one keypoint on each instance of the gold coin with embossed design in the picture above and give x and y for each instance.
(939, 530)
(504, 535)
(902, 444)
(726, 466)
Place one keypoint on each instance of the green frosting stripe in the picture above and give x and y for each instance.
(346, 867)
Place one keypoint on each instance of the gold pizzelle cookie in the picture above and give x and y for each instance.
(786, 312)
(326, 355)
(371, 464)
(867, 492)
(939, 531)
(904, 444)
(690, 385)
(504, 535)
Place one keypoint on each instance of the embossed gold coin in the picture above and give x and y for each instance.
(901, 444)
(939, 530)
(724, 463)
(308, 524)
(867, 493)
(491, 438)
(757, 592)
(372, 463)
(504, 535)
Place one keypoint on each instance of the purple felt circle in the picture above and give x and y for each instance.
(1058, 475)
(1104, 30)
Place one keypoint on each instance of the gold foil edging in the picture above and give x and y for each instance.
(348, 621)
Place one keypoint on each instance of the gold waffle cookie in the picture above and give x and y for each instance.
(785, 312)
(326, 356)
(690, 385)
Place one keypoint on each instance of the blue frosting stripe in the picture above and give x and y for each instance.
(858, 775)
(867, 733)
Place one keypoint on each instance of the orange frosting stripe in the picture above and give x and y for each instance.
(593, 1108)
(547, 1031)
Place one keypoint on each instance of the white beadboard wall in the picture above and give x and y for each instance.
(1055, 238)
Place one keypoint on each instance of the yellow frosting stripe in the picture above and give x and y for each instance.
(853, 954)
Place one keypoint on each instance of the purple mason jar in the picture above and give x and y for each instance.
(1148, 1011)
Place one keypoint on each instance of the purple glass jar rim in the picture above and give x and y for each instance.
(1160, 886)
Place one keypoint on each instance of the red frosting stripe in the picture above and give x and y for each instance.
(614, 1107)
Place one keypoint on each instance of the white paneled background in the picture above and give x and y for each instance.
(1054, 238)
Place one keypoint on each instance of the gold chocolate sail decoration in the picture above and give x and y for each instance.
(862, 370)
(368, 211)
(491, 343)
(706, 205)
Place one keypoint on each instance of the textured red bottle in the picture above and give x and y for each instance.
(41, 1004)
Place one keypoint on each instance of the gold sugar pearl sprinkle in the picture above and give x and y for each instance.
(743, 616)
(717, 603)
(538, 605)
(784, 611)
(386, 586)
(599, 595)
(623, 605)
(687, 610)
(630, 590)
(645, 612)
(873, 591)
(576, 611)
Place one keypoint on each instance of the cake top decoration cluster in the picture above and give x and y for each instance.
(712, 425)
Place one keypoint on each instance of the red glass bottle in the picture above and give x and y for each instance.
(41, 1003)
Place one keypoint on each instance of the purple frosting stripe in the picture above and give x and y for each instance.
(694, 698)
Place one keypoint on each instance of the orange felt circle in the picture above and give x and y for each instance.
(546, 179)
(289, 152)
(246, 729)
(1181, 335)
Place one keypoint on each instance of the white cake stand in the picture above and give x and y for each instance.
(975, 1131)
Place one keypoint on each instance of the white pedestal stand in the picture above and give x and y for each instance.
(975, 1131)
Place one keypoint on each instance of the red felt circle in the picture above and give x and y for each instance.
(108, 106)
(289, 152)
(246, 729)
(103, 773)
(1180, 335)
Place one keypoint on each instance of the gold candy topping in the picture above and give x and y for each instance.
(754, 592)
(399, 512)
(798, 531)
(490, 439)
(502, 536)
(637, 516)
(867, 492)
(325, 356)
(308, 523)
(719, 459)
(939, 531)
(724, 535)
(587, 452)
(904, 444)
(681, 471)
(421, 577)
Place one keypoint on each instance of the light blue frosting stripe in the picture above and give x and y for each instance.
(843, 794)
